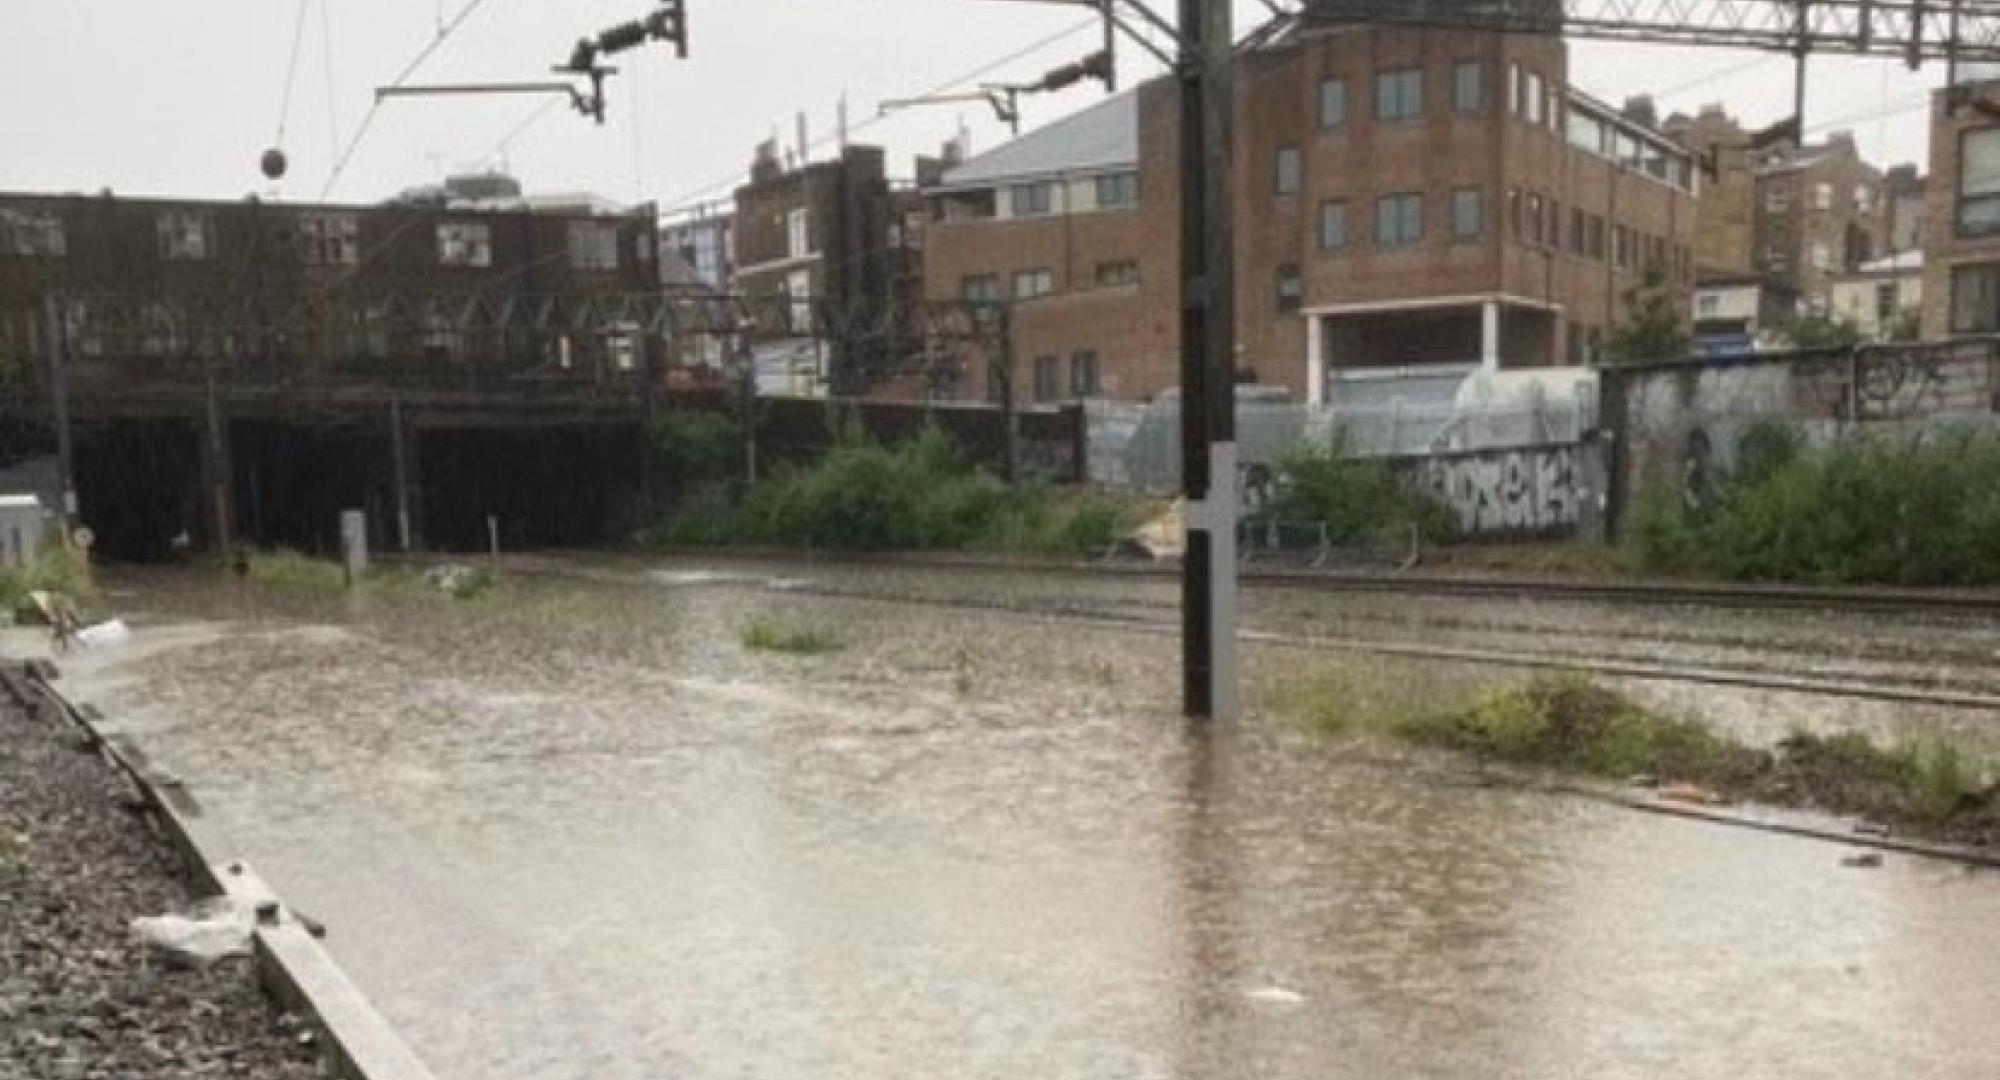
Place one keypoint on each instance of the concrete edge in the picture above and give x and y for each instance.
(355, 1042)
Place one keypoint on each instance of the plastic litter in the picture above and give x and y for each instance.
(210, 930)
(104, 635)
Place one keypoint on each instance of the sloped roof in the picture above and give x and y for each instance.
(1098, 139)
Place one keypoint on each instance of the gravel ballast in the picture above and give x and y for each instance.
(80, 999)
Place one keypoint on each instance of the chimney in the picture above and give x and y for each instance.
(1639, 109)
(764, 166)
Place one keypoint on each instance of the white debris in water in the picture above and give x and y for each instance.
(212, 929)
(1274, 995)
(104, 635)
(705, 577)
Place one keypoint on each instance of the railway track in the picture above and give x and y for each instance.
(1727, 674)
(1912, 601)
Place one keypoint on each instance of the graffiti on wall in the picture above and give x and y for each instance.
(1534, 490)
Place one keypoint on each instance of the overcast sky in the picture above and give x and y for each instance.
(146, 97)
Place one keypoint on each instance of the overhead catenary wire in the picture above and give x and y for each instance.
(291, 72)
(409, 69)
(332, 81)
(696, 196)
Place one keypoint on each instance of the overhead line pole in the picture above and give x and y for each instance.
(1206, 74)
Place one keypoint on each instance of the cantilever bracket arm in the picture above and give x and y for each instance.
(576, 98)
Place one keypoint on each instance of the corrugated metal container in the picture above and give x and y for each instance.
(23, 520)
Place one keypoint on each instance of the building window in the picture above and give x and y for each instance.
(1553, 238)
(798, 292)
(1286, 171)
(1887, 308)
(1979, 182)
(1514, 214)
(1586, 132)
(798, 232)
(1534, 222)
(1708, 305)
(185, 234)
(32, 232)
(1048, 378)
(1597, 237)
(1468, 86)
(1290, 290)
(1864, 200)
(1121, 274)
(1118, 190)
(1399, 95)
(1555, 108)
(1534, 100)
(1333, 225)
(1332, 103)
(1031, 200)
(331, 239)
(1514, 89)
(1468, 214)
(1029, 284)
(1399, 220)
(1822, 196)
(1083, 375)
(464, 243)
(979, 288)
(593, 245)
(1576, 231)
(1776, 200)
(1621, 247)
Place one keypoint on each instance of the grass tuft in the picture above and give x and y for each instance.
(1571, 724)
(765, 634)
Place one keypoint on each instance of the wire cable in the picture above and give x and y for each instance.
(696, 196)
(402, 76)
(291, 72)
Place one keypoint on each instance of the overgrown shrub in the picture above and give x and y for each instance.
(55, 568)
(1358, 500)
(918, 495)
(773, 635)
(1920, 512)
(698, 446)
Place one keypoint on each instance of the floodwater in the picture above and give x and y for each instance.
(581, 832)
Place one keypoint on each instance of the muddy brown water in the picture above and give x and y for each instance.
(580, 832)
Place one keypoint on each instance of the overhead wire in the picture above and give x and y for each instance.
(326, 69)
(695, 196)
(409, 69)
(291, 72)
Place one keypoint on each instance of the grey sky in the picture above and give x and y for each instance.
(180, 98)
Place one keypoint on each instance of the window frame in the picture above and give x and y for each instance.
(1124, 184)
(464, 244)
(1041, 200)
(1084, 361)
(1986, 198)
(1338, 120)
(1399, 239)
(1406, 93)
(1460, 235)
(1288, 287)
(1331, 211)
(1476, 102)
(1286, 183)
(1042, 274)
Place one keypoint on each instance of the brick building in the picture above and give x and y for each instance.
(843, 246)
(1961, 289)
(1820, 214)
(1903, 189)
(1727, 155)
(409, 281)
(1405, 198)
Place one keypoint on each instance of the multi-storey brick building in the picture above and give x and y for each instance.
(1404, 198)
(839, 243)
(1961, 290)
(274, 363)
(1819, 214)
(1726, 154)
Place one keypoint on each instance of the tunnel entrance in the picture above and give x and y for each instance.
(555, 486)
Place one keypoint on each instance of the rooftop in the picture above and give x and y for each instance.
(1101, 138)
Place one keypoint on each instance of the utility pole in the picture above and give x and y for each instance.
(1208, 342)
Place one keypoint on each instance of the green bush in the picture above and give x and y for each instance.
(698, 446)
(1923, 512)
(1358, 500)
(918, 495)
(56, 568)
